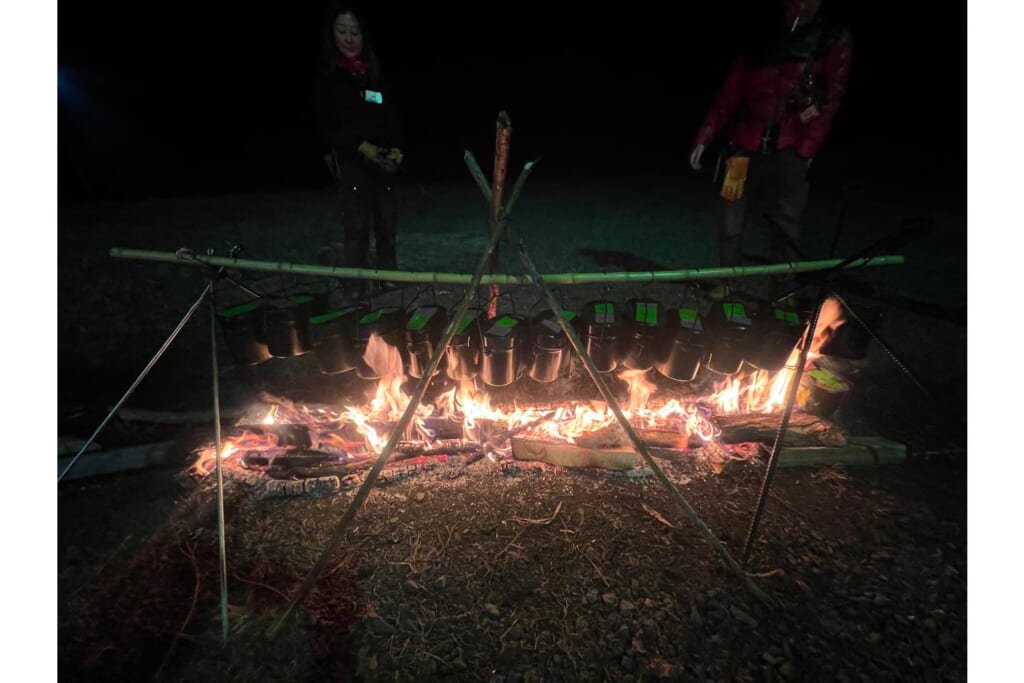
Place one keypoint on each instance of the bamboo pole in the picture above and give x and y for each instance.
(503, 279)
(221, 538)
(337, 535)
(638, 444)
(501, 144)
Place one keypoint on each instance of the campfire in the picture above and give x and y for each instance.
(314, 447)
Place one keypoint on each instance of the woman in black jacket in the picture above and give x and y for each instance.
(359, 123)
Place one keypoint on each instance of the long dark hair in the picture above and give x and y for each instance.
(331, 54)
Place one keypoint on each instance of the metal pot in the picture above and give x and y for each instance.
(502, 350)
(551, 355)
(600, 334)
(776, 331)
(388, 323)
(333, 332)
(730, 325)
(685, 346)
(640, 337)
(243, 332)
(423, 331)
(821, 391)
(287, 328)
(462, 356)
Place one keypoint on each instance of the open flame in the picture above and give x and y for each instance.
(360, 432)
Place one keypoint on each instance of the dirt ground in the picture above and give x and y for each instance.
(490, 573)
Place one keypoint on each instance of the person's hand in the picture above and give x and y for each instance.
(370, 151)
(695, 155)
(395, 156)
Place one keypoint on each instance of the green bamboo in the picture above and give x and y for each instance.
(638, 444)
(502, 279)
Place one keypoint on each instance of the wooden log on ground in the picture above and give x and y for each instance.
(161, 454)
(569, 455)
(191, 417)
(804, 429)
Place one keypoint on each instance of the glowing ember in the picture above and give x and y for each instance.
(361, 432)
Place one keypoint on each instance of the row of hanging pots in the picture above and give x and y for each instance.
(271, 328)
(677, 342)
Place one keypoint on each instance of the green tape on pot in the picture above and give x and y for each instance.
(736, 313)
(371, 317)
(688, 318)
(647, 313)
(327, 317)
(828, 380)
(506, 321)
(239, 310)
(780, 314)
(792, 318)
(301, 299)
(420, 318)
(604, 313)
(568, 315)
(466, 321)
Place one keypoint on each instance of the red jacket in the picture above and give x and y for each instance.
(758, 93)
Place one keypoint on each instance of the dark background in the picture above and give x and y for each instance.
(186, 98)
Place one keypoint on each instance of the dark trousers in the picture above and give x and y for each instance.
(369, 203)
(777, 182)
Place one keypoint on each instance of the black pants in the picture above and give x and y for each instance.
(778, 182)
(369, 203)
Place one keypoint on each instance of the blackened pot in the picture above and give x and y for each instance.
(333, 332)
(287, 327)
(243, 332)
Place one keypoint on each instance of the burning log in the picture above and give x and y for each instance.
(804, 429)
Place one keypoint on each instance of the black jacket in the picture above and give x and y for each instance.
(346, 117)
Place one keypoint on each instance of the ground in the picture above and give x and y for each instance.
(498, 575)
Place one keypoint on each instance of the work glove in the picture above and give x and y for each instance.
(395, 156)
(695, 155)
(369, 150)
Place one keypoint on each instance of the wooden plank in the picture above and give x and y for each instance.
(859, 451)
(568, 455)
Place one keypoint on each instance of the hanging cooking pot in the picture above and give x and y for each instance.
(775, 334)
(462, 356)
(640, 338)
(243, 332)
(730, 325)
(502, 350)
(600, 334)
(550, 354)
(685, 345)
(333, 333)
(388, 323)
(287, 328)
(422, 333)
(822, 391)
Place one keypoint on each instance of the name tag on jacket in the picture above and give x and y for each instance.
(373, 96)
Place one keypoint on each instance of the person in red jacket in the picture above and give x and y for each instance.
(776, 106)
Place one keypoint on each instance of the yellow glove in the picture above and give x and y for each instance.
(369, 150)
(395, 155)
(735, 177)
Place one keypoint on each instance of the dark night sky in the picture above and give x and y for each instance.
(194, 97)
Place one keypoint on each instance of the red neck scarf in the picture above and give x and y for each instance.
(355, 66)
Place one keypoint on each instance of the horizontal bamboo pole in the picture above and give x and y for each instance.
(499, 279)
